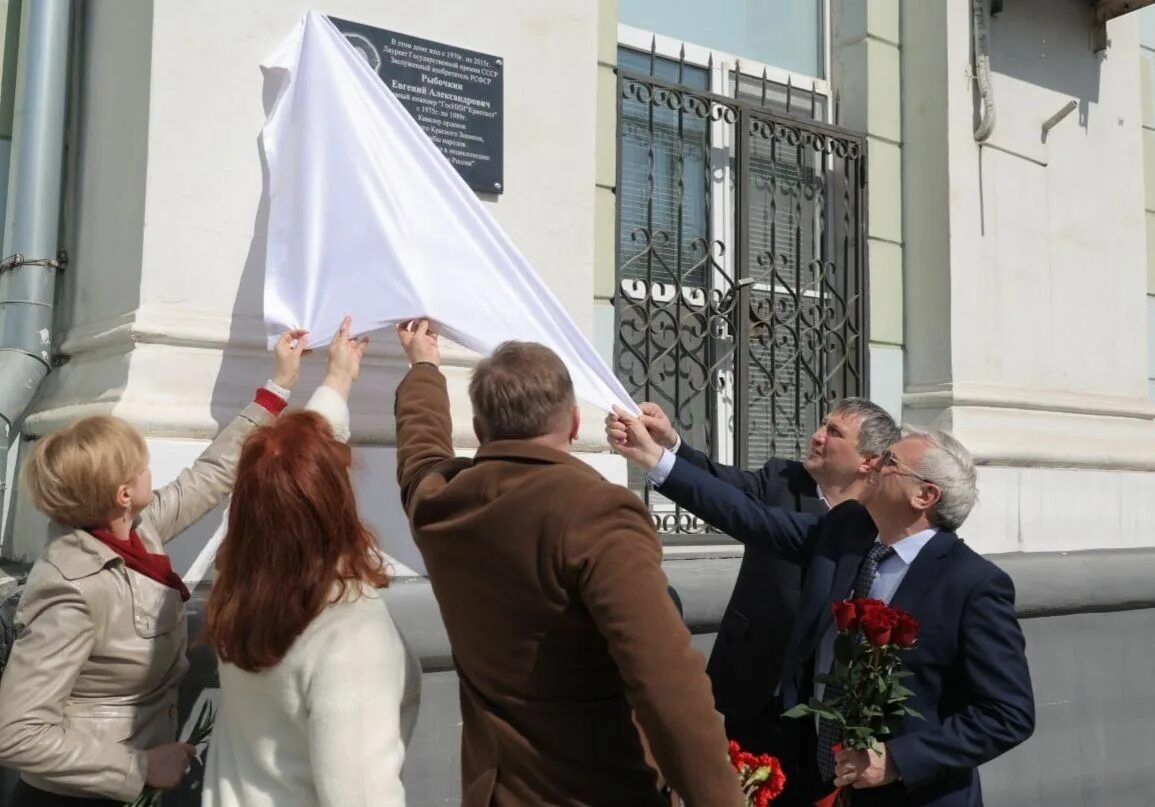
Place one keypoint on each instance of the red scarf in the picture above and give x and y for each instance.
(155, 566)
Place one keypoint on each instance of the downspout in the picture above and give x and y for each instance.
(32, 216)
(982, 68)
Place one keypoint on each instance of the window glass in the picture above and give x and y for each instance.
(782, 33)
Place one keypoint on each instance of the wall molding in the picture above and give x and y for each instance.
(1047, 584)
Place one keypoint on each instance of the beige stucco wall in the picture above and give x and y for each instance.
(1026, 272)
(161, 317)
(866, 44)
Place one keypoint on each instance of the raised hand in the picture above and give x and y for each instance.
(287, 357)
(419, 342)
(345, 353)
(628, 436)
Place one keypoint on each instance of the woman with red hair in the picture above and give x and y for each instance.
(312, 669)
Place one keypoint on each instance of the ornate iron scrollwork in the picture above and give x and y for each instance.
(741, 274)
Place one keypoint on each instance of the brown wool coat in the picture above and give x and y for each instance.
(550, 585)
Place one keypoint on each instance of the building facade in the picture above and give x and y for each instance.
(752, 209)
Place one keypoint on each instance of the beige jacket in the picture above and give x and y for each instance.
(100, 649)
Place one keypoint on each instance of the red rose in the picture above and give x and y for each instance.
(864, 604)
(905, 631)
(877, 625)
(845, 615)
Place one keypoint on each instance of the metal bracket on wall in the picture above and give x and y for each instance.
(1053, 121)
(1108, 10)
(16, 260)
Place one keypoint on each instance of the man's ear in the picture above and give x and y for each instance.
(926, 497)
(575, 423)
(867, 464)
(478, 429)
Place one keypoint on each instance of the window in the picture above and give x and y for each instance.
(785, 33)
(741, 272)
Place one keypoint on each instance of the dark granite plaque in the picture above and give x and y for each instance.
(455, 95)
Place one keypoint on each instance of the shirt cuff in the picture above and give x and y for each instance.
(272, 397)
(661, 471)
(275, 388)
(677, 444)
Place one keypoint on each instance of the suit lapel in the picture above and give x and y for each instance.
(925, 570)
(844, 573)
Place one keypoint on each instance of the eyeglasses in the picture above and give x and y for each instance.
(888, 458)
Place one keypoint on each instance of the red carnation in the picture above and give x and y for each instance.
(759, 775)
(877, 625)
(905, 631)
(845, 615)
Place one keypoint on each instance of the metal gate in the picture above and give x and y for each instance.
(741, 268)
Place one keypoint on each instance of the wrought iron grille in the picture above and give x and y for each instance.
(741, 264)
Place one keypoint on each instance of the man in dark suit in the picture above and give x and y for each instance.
(550, 584)
(747, 657)
(894, 541)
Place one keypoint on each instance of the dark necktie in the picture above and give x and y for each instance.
(828, 733)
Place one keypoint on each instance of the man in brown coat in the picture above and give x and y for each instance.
(550, 585)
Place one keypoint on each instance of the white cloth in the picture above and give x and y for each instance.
(327, 726)
(368, 218)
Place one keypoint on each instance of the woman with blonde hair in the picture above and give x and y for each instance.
(316, 701)
(88, 699)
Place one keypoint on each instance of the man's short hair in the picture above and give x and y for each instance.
(948, 465)
(877, 430)
(72, 475)
(522, 391)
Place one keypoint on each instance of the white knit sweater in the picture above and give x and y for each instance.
(325, 727)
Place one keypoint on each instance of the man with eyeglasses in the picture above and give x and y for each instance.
(748, 652)
(896, 542)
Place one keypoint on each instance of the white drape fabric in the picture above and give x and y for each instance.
(367, 217)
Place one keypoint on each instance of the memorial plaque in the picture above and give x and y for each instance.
(453, 94)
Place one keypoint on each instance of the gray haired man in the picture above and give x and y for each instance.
(748, 653)
(895, 541)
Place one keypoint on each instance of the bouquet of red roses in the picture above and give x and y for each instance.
(760, 775)
(864, 692)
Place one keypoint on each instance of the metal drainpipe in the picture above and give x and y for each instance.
(32, 220)
(979, 35)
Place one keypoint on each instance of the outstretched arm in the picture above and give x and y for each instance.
(424, 426)
(787, 534)
(657, 423)
(204, 484)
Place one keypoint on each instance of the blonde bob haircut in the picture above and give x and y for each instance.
(72, 475)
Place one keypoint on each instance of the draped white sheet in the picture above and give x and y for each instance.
(366, 217)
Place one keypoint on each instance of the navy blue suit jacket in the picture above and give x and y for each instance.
(746, 660)
(970, 677)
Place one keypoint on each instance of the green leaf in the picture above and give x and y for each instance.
(801, 710)
(913, 713)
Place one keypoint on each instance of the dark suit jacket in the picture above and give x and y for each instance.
(746, 661)
(551, 588)
(970, 675)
